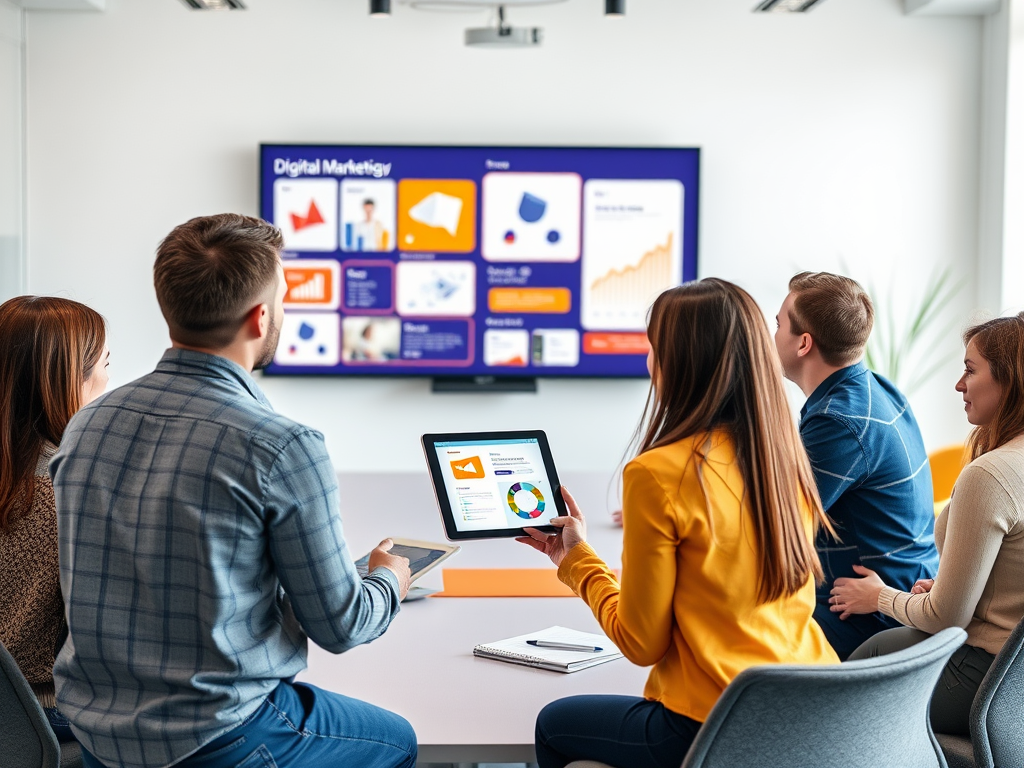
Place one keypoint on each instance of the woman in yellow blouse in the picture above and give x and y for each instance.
(718, 562)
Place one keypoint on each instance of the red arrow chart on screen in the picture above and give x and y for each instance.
(300, 222)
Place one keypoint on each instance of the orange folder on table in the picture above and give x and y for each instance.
(503, 582)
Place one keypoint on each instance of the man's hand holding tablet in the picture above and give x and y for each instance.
(379, 558)
(406, 558)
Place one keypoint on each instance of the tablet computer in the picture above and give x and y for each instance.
(423, 555)
(493, 484)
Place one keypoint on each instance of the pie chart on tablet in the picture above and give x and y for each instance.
(526, 501)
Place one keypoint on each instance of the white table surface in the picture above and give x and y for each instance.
(465, 709)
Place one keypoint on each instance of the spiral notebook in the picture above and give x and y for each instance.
(516, 650)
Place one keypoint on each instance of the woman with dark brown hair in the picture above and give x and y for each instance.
(53, 360)
(980, 535)
(718, 562)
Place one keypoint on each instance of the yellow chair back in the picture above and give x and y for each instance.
(945, 464)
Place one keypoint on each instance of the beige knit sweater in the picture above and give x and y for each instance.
(980, 537)
(31, 606)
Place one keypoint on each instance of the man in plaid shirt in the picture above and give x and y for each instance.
(201, 544)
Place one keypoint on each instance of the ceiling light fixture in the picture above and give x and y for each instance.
(215, 5)
(785, 6)
(615, 9)
(380, 8)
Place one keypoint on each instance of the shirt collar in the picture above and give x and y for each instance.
(188, 362)
(44, 457)
(827, 385)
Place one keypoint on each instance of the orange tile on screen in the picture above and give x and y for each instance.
(312, 284)
(437, 215)
(468, 469)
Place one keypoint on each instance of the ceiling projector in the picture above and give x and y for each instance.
(504, 36)
(501, 35)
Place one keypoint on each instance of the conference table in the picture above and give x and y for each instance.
(465, 709)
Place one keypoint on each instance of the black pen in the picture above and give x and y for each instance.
(563, 646)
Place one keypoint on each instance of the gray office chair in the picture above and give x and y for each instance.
(26, 740)
(997, 714)
(860, 714)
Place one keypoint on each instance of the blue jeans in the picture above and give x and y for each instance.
(622, 731)
(59, 725)
(846, 636)
(303, 726)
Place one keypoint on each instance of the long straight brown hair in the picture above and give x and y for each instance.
(1001, 342)
(48, 349)
(715, 367)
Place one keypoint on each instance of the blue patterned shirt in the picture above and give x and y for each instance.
(200, 543)
(873, 477)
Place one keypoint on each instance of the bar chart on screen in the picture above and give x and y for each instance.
(312, 284)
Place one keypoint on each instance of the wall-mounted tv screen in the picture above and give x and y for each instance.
(476, 261)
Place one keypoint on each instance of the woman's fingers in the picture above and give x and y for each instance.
(571, 505)
(533, 533)
(539, 546)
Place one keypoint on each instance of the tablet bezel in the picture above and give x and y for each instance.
(432, 546)
(451, 531)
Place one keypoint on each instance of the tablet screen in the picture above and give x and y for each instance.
(419, 558)
(496, 484)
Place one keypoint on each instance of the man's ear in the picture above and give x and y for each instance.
(806, 345)
(257, 321)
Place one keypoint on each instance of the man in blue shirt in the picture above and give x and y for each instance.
(201, 544)
(865, 449)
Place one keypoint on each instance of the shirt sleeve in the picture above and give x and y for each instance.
(337, 609)
(980, 515)
(636, 614)
(837, 457)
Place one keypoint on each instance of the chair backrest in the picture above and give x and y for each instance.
(859, 714)
(26, 740)
(945, 465)
(997, 715)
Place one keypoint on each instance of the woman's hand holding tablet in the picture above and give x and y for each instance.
(494, 484)
(569, 531)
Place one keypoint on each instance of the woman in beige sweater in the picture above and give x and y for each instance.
(53, 361)
(980, 535)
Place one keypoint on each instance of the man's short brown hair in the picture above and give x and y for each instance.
(211, 271)
(835, 311)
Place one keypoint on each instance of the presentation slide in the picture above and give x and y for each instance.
(496, 484)
(462, 261)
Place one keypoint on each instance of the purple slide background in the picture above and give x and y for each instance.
(452, 162)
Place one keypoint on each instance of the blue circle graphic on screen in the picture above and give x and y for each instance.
(306, 331)
(554, 236)
(531, 208)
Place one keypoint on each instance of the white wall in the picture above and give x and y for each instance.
(11, 151)
(846, 135)
(1013, 257)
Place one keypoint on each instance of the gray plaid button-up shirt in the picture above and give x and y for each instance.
(200, 543)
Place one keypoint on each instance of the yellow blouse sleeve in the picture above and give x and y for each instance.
(636, 614)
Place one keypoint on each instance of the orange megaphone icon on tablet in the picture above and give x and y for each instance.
(468, 469)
